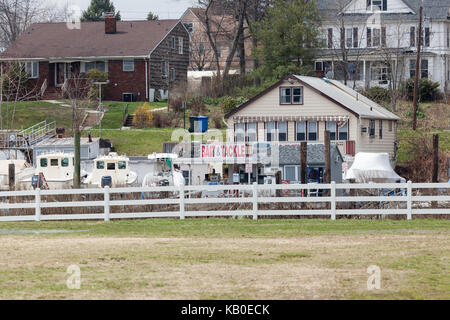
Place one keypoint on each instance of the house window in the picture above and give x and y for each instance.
(270, 131)
(377, 5)
(380, 129)
(373, 37)
(172, 44)
(219, 50)
(343, 132)
(291, 95)
(390, 125)
(189, 26)
(372, 128)
(98, 65)
(448, 37)
(128, 65)
(180, 45)
(423, 68)
(239, 132)
(427, 37)
(331, 126)
(312, 131)
(282, 131)
(164, 68)
(351, 38)
(252, 135)
(379, 72)
(32, 69)
(172, 74)
(301, 131)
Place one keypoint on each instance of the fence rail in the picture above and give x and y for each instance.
(253, 196)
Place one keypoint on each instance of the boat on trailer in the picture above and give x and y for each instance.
(162, 171)
(114, 166)
(56, 169)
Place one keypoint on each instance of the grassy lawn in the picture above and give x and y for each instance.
(136, 142)
(31, 112)
(227, 259)
(114, 116)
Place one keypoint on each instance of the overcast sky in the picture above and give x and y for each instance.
(138, 9)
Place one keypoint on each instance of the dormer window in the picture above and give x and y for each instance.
(373, 5)
(291, 95)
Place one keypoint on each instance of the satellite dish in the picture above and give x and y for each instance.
(330, 74)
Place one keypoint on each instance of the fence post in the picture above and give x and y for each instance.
(37, 199)
(333, 200)
(409, 199)
(182, 202)
(107, 207)
(255, 201)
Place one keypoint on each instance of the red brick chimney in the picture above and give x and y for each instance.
(110, 23)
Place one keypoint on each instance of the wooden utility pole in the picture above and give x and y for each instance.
(416, 76)
(435, 158)
(303, 161)
(12, 176)
(327, 157)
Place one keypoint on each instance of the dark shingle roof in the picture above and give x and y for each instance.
(55, 40)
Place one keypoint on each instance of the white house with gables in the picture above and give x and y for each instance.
(300, 108)
(374, 42)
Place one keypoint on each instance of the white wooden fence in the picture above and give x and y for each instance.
(252, 195)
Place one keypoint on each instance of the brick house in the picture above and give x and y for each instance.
(140, 57)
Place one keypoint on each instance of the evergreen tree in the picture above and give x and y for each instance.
(97, 9)
(288, 36)
(152, 16)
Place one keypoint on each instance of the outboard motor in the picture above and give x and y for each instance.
(35, 181)
(164, 183)
(106, 181)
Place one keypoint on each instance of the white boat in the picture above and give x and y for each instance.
(162, 172)
(57, 169)
(19, 167)
(114, 166)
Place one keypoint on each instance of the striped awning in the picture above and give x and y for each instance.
(241, 119)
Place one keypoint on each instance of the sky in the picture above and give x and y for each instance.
(138, 9)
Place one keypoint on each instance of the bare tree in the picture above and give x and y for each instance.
(76, 89)
(14, 88)
(201, 53)
(17, 15)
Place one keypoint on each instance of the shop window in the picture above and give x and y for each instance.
(301, 131)
(291, 173)
(282, 131)
(312, 131)
(252, 135)
(270, 131)
(239, 132)
(343, 132)
(331, 126)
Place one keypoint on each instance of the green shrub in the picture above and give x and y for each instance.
(228, 104)
(95, 75)
(428, 90)
(378, 94)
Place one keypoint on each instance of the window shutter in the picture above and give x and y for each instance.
(384, 5)
(355, 38)
(368, 3)
(369, 37)
(412, 37)
(330, 38)
(383, 36)
(427, 37)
